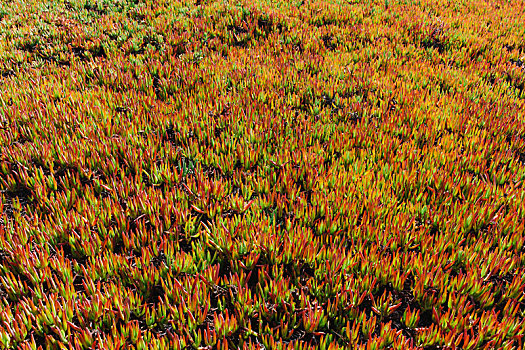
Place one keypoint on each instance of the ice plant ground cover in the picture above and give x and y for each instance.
(313, 174)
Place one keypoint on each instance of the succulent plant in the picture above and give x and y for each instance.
(262, 174)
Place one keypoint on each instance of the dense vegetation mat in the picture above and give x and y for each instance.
(262, 174)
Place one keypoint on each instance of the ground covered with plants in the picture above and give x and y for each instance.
(312, 174)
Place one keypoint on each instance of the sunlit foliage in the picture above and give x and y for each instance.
(263, 174)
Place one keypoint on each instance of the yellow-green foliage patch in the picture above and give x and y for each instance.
(257, 174)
